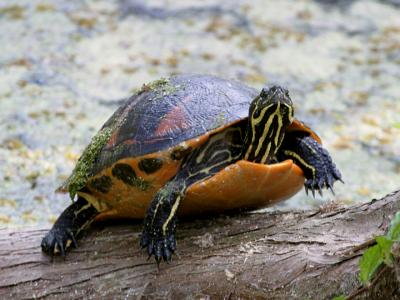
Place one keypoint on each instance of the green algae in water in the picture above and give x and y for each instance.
(81, 173)
(14, 11)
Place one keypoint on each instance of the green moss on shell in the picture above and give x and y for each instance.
(161, 87)
(82, 171)
(83, 168)
(219, 120)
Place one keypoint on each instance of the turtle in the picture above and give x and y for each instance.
(190, 145)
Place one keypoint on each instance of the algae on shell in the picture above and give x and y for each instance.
(82, 171)
(160, 87)
(83, 168)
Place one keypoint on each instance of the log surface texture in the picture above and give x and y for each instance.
(273, 255)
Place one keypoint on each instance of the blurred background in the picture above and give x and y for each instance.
(66, 65)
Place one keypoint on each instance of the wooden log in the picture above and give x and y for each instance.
(274, 255)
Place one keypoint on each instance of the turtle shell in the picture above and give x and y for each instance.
(170, 111)
(142, 145)
(161, 123)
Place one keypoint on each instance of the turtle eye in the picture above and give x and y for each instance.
(264, 92)
(256, 114)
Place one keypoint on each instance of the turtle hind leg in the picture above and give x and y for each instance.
(69, 224)
(313, 159)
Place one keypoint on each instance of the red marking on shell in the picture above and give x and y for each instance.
(129, 142)
(175, 121)
(113, 140)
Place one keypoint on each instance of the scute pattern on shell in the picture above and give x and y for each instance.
(169, 112)
(162, 114)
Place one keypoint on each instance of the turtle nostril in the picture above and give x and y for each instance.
(264, 92)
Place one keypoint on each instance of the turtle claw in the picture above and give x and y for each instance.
(158, 236)
(59, 245)
(330, 187)
(332, 191)
(162, 247)
(321, 184)
(58, 241)
(323, 180)
(73, 240)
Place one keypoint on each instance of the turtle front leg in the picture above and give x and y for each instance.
(69, 224)
(319, 170)
(158, 235)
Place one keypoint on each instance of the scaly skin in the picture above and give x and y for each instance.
(69, 224)
(319, 170)
(158, 236)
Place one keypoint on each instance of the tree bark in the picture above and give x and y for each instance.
(274, 255)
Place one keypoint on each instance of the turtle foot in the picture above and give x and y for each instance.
(162, 247)
(320, 171)
(325, 176)
(73, 220)
(57, 241)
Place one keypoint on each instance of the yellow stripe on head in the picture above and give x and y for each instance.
(269, 115)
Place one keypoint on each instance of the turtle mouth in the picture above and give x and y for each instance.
(275, 95)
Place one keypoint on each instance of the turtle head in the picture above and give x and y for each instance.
(269, 115)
